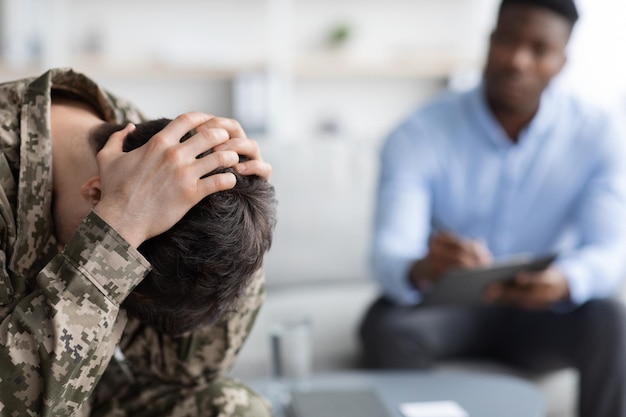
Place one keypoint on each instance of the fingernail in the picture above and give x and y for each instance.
(240, 168)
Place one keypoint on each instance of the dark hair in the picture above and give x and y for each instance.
(565, 8)
(202, 265)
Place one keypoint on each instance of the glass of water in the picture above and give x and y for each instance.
(291, 351)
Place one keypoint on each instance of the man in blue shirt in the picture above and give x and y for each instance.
(513, 166)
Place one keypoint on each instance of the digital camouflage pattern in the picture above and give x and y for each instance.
(60, 316)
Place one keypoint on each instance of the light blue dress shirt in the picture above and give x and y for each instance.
(560, 189)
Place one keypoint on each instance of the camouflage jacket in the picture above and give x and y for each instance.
(60, 316)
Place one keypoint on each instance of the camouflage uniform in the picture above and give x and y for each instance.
(60, 316)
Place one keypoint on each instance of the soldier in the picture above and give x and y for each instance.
(100, 310)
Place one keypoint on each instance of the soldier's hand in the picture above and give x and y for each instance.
(243, 146)
(146, 191)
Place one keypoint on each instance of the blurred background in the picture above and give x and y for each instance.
(289, 69)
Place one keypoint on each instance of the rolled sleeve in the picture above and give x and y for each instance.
(579, 285)
(403, 212)
(593, 272)
(596, 268)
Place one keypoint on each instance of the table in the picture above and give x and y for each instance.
(481, 395)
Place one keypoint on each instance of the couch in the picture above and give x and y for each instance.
(317, 267)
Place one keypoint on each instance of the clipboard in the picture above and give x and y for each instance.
(465, 286)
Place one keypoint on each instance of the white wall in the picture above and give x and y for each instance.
(190, 50)
(173, 56)
(198, 35)
(597, 61)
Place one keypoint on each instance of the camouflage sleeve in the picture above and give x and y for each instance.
(56, 342)
(196, 357)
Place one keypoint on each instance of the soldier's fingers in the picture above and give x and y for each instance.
(255, 167)
(181, 125)
(115, 144)
(243, 146)
(232, 126)
(213, 161)
(204, 140)
(217, 182)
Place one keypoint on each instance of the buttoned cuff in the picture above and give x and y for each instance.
(579, 287)
(105, 258)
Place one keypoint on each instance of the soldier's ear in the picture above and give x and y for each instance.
(91, 190)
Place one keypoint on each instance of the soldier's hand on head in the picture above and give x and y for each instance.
(146, 191)
(242, 145)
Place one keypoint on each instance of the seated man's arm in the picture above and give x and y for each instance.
(597, 266)
(403, 212)
(56, 340)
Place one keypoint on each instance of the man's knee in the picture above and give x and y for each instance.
(603, 326)
(604, 315)
(387, 343)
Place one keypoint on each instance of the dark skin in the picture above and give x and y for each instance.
(526, 51)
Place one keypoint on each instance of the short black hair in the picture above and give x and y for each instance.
(203, 264)
(565, 8)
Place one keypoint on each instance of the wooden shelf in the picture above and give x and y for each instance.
(418, 66)
(98, 68)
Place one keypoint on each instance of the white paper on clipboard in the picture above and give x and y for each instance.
(433, 409)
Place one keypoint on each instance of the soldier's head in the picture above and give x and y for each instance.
(526, 51)
(201, 265)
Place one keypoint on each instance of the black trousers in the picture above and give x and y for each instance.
(591, 338)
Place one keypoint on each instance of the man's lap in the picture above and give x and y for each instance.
(534, 340)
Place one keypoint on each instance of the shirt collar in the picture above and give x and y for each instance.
(494, 131)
